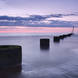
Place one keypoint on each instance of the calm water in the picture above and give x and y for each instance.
(60, 61)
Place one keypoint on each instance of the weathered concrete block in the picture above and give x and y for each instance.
(10, 56)
(44, 43)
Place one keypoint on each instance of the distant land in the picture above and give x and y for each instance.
(36, 21)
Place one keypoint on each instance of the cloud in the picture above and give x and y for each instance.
(44, 17)
(37, 17)
(41, 20)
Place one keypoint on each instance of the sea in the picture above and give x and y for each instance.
(59, 61)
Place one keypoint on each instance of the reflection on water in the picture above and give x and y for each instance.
(11, 72)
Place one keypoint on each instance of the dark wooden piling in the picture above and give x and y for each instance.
(61, 37)
(10, 57)
(70, 34)
(58, 38)
(44, 43)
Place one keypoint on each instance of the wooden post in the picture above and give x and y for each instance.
(73, 30)
(44, 43)
(56, 39)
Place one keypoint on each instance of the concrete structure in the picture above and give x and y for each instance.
(10, 57)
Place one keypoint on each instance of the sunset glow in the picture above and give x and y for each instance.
(34, 30)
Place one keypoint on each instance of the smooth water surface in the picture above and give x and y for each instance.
(59, 61)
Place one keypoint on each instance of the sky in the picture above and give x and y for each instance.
(39, 7)
(61, 10)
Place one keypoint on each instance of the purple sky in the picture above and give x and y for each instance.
(40, 7)
(49, 8)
